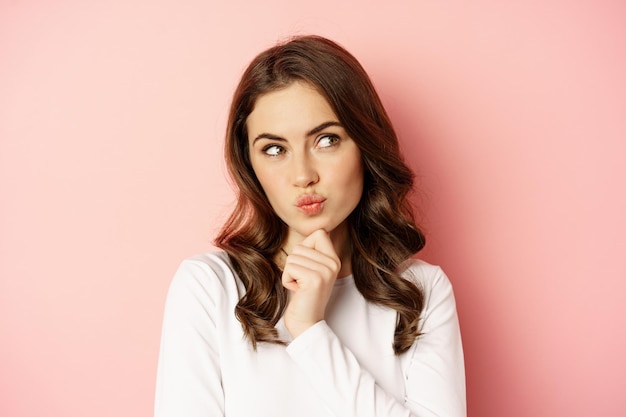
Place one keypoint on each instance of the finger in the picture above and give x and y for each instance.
(307, 277)
(289, 283)
(309, 273)
(308, 257)
(320, 240)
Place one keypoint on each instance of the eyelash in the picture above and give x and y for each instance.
(333, 138)
(279, 150)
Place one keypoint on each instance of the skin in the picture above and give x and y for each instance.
(312, 174)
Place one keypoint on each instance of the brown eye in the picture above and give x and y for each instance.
(273, 150)
(327, 141)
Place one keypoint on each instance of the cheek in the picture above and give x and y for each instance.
(270, 183)
(260, 172)
(350, 173)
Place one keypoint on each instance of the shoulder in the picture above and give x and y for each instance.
(432, 280)
(423, 274)
(205, 275)
(216, 263)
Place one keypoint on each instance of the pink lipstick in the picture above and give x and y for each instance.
(310, 204)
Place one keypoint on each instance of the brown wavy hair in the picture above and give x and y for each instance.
(383, 232)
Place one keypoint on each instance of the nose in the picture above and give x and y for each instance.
(304, 172)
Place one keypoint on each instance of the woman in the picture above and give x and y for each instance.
(314, 307)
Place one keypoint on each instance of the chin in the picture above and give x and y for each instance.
(310, 227)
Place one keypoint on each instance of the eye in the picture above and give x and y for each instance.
(273, 150)
(327, 141)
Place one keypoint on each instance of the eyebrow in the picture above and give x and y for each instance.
(311, 132)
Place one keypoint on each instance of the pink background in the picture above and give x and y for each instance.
(111, 122)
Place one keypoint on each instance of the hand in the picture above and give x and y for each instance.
(309, 274)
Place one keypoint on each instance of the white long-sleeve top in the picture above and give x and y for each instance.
(343, 366)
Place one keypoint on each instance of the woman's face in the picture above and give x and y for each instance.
(309, 168)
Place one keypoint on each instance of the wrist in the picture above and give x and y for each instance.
(297, 327)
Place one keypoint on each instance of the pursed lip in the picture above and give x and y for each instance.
(308, 199)
(310, 204)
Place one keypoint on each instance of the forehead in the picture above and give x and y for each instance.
(299, 106)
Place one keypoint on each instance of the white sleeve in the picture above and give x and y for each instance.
(435, 376)
(188, 377)
(436, 373)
